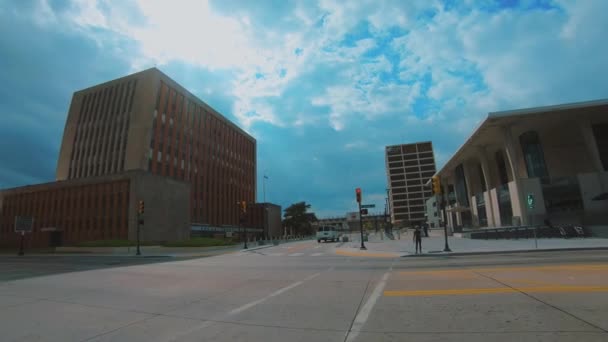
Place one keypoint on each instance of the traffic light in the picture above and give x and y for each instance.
(358, 192)
(140, 209)
(436, 185)
(363, 211)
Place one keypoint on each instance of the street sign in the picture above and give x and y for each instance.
(368, 205)
(23, 224)
(363, 211)
(530, 201)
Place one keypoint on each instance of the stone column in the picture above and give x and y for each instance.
(487, 177)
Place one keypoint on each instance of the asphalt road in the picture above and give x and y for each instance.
(306, 292)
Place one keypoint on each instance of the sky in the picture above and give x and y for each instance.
(322, 85)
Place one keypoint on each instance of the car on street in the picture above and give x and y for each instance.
(327, 233)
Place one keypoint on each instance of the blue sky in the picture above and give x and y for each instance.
(323, 86)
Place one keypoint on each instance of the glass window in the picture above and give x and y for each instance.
(533, 155)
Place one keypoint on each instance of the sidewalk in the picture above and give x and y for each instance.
(435, 244)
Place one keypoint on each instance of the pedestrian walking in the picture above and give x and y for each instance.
(418, 239)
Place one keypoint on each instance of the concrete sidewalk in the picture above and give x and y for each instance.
(435, 244)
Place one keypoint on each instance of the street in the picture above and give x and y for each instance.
(306, 291)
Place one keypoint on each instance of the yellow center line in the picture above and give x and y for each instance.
(584, 267)
(498, 290)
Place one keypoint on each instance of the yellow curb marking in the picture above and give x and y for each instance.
(499, 290)
(366, 254)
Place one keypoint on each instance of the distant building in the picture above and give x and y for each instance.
(124, 139)
(521, 167)
(433, 212)
(267, 218)
(408, 168)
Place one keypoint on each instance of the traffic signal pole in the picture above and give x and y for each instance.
(359, 196)
(361, 226)
(140, 218)
(436, 183)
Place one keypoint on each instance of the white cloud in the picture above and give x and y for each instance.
(355, 145)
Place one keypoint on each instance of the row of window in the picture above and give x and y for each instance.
(190, 143)
(101, 133)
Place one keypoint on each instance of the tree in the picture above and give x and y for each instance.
(296, 217)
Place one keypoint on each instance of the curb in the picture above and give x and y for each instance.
(255, 248)
(449, 254)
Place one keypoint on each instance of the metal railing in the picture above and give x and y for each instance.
(528, 232)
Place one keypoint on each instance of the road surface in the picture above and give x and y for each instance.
(307, 291)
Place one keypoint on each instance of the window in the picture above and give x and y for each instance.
(600, 131)
(533, 155)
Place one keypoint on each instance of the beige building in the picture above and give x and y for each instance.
(522, 167)
(146, 121)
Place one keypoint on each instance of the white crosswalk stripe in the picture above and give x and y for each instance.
(317, 254)
(275, 254)
(296, 254)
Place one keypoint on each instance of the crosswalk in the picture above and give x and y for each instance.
(284, 254)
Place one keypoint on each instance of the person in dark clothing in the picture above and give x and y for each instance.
(425, 226)
(418, 239)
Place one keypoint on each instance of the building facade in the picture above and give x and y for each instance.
(139, 137)
(523, 167)
(97, 208)
(146, 121)
(408, 169)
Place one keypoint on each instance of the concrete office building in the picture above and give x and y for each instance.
(408, 168)
(146, 121)
(138, 124)
(555, 157)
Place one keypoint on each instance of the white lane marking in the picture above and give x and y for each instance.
(275, 254)
(206, 324)
(317, 247)
(274, 294)
(316, 254)
(296, 254)
(367, 308)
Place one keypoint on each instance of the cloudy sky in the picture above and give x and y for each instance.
(323, 86)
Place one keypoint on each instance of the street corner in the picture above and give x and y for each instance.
(365, 253)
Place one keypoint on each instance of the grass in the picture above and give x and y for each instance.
(199, 242)
(194, 242)
(113, 243)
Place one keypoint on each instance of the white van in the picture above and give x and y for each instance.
(327, 233)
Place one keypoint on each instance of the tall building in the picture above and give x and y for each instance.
(142, 137)
(408, 168)
(146, 121)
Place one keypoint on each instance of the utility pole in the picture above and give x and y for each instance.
(243, 206)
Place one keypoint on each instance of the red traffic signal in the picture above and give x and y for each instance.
(358, 192)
